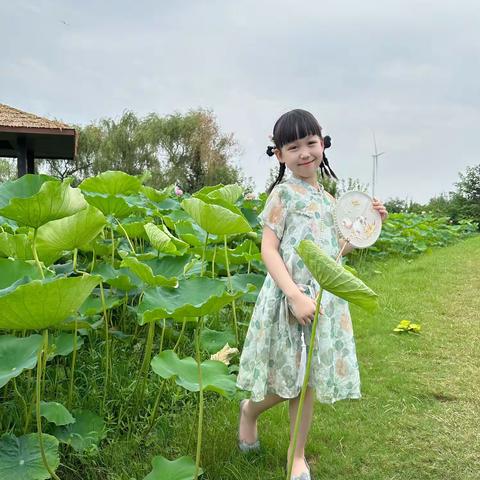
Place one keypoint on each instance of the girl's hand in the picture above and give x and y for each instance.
(378, 205)
(303, 307)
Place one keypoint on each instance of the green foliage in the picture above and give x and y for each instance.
(185, 149)
(158, 266)
(408, 234)
(20, 457)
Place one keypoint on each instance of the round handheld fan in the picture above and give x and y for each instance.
(356, 219)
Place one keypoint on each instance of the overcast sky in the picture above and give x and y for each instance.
(407, 70)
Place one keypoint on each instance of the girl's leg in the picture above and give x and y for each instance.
(307, 415)
(250, 413)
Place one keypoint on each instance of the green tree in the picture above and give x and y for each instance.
(186, 149)
(8, 169)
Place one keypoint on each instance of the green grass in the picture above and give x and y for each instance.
(418, 417)
(419, 414)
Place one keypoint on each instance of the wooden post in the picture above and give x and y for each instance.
(21, 156)
(30, 161)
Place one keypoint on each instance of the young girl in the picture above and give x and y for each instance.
(296, 209)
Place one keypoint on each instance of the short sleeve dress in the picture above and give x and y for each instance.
(271, 355)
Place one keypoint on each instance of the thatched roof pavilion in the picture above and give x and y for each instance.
(27, 136)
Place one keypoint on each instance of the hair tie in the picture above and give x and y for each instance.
(270, 150)
(327, 141)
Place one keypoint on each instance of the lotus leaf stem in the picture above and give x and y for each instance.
(42, 352)
(305, 383)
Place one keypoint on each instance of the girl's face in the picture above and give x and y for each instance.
(302, 157)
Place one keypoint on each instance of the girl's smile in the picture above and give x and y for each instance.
(302, 157)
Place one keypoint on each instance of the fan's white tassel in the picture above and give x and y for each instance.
(303, 363)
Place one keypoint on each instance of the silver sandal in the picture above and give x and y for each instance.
(303, 475)
(244, 446)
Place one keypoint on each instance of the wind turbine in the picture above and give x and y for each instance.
(375, 164)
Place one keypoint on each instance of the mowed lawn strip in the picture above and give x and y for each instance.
(419, 414)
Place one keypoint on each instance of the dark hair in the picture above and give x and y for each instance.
(292, 126)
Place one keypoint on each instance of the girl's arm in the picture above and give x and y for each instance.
(303, 306)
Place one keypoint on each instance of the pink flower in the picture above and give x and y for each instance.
(178, 191)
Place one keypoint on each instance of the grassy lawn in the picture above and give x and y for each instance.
(419, 417)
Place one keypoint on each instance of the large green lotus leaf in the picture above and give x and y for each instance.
(134, 227)
(144, 272)
(93, 304)
(193, 297)
(215, 218)
(44, 303)
(159, 240)
(109, 204)
(156, 195)
(23, 187)
(112, 182)
(56, 413)
(69, 233)
(228, 193)
(175, 216)
(220, 202)
(190, 233)
(54, 200)
(123, 278)
(63, 343)
(87, 431)
(16, 355)
(242, 280)
(334, 278)
(215, 374)
(18, 246)
(170, 266)
(239, 255)
(101, 247)
(180, 245)
(20, 457)
(182, 468)
(13, 270)
(213, 341)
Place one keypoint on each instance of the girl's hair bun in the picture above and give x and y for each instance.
(327, 141)
(270, 150)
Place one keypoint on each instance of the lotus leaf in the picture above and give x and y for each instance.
(215, 375)
(63, 343)
(20, 457)
(18, 246)
(112, 183)
(93, 304)
(87, 431)
(159, 240)
(17, 354)
(123, 279)
(68, 233)
(215, 219)
(144, 272)
(13, 270)
(44, 303)
(182, 468)
(212, 341)
(54, 200)
(193, 297)
(228, 193)
(334, 278)
(114, 205)
(56, 413)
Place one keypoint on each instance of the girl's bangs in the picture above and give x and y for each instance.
(295, 125)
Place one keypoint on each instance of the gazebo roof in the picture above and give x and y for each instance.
(45, 138)
(12, 117)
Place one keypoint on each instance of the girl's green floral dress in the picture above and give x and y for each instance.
(270, 360)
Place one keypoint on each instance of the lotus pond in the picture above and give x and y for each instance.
(120, 307)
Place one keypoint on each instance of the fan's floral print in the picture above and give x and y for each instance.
(270, 358)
